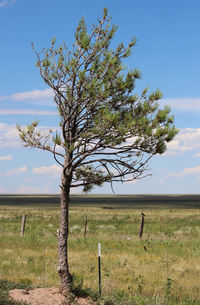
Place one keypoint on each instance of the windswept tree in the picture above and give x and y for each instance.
(106, 133)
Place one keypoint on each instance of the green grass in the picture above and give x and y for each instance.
(5, 287)
(167, 273)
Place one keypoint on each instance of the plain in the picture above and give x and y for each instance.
(161, 266)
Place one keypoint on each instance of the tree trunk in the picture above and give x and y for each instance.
(63, 269)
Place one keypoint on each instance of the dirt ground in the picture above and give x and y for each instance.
(44, 296)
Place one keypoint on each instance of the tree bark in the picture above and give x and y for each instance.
(63, 268)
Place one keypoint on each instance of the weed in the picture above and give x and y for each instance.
(78, 289)
(140, 281)
(168, 287)
(5, 287)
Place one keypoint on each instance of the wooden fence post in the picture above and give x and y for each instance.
(85, 227)
(141, 226)
(99, 266)
(23, 224)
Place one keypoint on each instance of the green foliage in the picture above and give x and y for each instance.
(99, 113)
(168, 287)
(5, 287)
(88, 174)
(57, 139)
(78, 289)
(140, 283)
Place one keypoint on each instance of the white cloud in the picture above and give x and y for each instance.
(8, 136)
(183, 104)
(11, 111)
(5, 158)
(188, 171)
(26, 189)
(16, 171)
(52, 171)
(197, 155)
(33, 95)
(4, 3)
(187, 139)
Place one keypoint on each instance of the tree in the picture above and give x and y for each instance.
(106, 133)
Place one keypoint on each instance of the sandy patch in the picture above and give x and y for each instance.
(41, 296)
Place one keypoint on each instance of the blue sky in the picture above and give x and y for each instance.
(167, 53)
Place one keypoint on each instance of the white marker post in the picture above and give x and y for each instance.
(99, 265)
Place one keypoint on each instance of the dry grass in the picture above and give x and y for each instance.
(171, 238)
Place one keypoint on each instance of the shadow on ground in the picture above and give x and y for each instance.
(106, 201)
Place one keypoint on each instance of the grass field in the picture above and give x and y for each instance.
(162, 267)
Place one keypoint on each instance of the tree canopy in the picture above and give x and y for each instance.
(107, 133)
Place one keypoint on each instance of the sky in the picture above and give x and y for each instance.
(167, 53)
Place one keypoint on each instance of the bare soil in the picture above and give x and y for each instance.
(45, 296)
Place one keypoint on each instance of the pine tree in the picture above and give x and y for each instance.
(106, 133)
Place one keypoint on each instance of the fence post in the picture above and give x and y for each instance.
(141, 226)
(99, 265)
(23, 224)
(85, 227)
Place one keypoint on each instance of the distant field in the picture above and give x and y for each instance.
(118, 201)
(164, 263)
